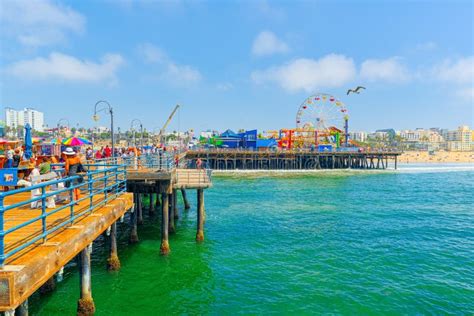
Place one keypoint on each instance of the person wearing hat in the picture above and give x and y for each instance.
(72, 166)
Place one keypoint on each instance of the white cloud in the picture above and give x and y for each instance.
(170, 71)
(267, 43)
(182, 73)
(68, 68)
(459, 71)
(390, 70)
(309, 74)
(38, 22)
(151, 53)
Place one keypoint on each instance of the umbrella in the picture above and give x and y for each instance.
(37, 140)
(56, 141)
(76, 141)
(28, 141)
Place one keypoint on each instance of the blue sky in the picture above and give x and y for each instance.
(239, 64)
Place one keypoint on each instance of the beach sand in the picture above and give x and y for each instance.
(437, 157)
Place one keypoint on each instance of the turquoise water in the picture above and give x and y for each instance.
(330, 242)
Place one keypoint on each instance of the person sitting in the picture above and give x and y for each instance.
(16, 158)
(45, 166)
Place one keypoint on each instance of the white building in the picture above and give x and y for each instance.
(358, 136)
(15, 118)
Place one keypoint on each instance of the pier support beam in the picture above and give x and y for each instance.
(158, 204)
(165, 247)
(22, 309)
(151, 209)
(133, 222)
(48, 287)
(85, 305)
(185, 199)
(200, 215)
(171, 228)
(175, 204)
(139, 209)
(113, 262)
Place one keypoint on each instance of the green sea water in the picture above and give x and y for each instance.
(329, 242)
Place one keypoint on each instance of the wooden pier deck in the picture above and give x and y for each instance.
(30, 268)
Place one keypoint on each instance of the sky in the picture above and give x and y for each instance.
(239, 64)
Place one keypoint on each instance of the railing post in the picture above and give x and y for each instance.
(116, 180)
(43, 212)
(91, 188)
(105, 185)
(71, 200)
(2, 233)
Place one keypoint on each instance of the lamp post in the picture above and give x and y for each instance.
(111, 112)
(141, 132)
(59, 124)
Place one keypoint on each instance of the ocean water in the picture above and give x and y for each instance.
(343, 242)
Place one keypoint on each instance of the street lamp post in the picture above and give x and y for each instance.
(59, 124)
(141, 132)
(111, 112)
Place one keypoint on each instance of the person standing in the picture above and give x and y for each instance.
(107, 152)
(73, 166)
(98, 154)
(10, 154)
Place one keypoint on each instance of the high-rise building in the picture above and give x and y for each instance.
(15, 118)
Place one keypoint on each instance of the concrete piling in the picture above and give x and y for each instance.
(185, 199)
(165, 247)
(175, 204)
(22, 309)
(140, 209)
(113, 262)
(133, 223)
(200, 215)
(171, 228)
(85, 305)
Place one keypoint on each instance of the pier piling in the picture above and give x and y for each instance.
(200, 215)
(133, 222)
(22, 309)
(171, 228)
(85, 305)
(140, 209)
(165, 247)
(185, 199)
(175, 204)
(151, 209)
(113, 263)
(48, 287)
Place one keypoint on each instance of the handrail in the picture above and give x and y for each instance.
(100, 185)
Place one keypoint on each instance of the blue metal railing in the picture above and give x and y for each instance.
(162, 161)
(100, 184)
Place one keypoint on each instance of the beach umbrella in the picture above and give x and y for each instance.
(76, 141)
(56, 141)
(28, 141)
(37, 140)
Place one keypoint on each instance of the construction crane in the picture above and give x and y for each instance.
(162, 130)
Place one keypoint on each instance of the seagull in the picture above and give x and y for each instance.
(356, 90)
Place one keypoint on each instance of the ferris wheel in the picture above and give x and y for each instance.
(321, 112)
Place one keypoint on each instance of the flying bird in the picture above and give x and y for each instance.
(356, 90)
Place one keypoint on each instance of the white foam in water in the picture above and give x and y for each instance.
(402, 168)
